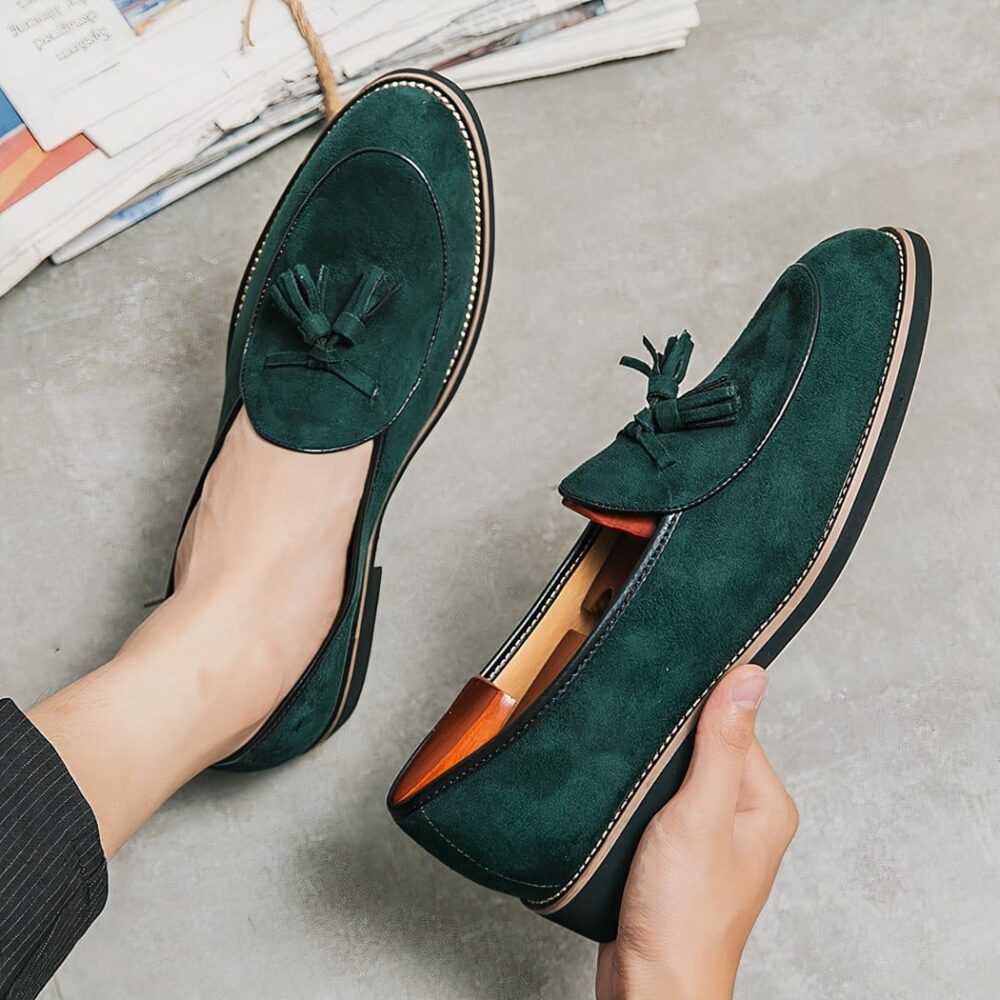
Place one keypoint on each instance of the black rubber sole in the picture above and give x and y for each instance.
(593, 912)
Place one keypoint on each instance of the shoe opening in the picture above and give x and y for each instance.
(490, 703)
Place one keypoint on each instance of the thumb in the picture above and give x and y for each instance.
(723, 740)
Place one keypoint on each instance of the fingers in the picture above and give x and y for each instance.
(723, 742)
(761, 786)
(764, 801)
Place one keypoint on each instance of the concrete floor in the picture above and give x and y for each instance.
(636, 198)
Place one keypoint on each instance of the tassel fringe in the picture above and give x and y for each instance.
(712, 404)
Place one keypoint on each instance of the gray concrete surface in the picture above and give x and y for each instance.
(633, 199)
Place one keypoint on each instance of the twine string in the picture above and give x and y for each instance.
(324, 71)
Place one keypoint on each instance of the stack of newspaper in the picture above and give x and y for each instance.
(111, 109)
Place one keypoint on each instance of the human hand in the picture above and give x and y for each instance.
(706, 862)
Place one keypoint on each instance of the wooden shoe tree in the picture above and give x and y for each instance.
(485, 706)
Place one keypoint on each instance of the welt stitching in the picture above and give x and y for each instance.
(478, 863)
(829, 527)
(626, 598)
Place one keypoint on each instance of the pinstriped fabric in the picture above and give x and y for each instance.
(53, 877)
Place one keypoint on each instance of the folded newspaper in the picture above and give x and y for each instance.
(112, 109)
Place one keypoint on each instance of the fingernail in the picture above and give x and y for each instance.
(748, 691)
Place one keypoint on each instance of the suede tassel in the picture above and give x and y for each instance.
(306, 301)
(712, 404)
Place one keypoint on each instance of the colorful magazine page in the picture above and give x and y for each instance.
(24, 165)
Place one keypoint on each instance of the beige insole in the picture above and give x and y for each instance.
(566, 614)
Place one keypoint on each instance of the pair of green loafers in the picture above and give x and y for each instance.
(718, 518)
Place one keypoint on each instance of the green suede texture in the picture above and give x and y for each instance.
(763, 364)
(372, 208)
(390, 184)
(526, 818)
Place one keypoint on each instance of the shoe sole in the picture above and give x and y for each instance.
(590, 902)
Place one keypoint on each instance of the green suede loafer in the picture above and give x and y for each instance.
(356, 320)
(719, 519)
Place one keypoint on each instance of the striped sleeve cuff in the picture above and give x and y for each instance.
(53, 876)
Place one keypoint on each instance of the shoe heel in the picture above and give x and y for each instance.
(363, 648)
